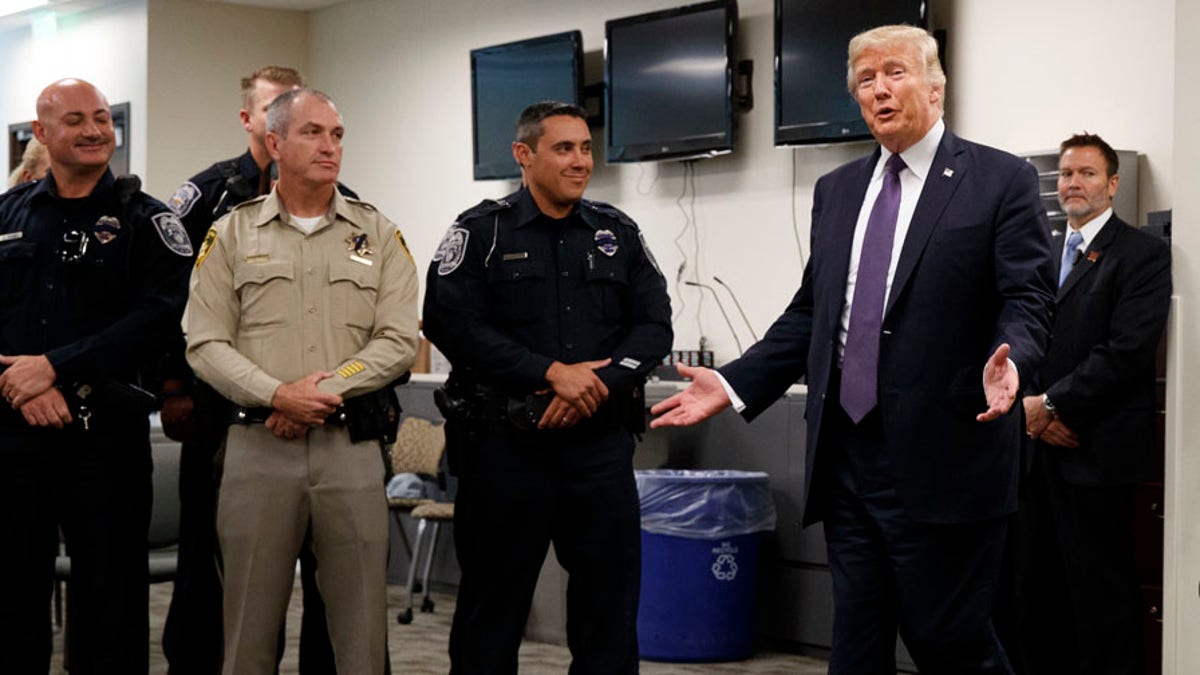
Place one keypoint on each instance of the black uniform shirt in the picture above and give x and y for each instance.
(98, 308)
(511, 290)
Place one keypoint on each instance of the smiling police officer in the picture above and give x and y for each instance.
(551, 311)
(93, 276)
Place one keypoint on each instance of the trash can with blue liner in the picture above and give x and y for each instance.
(700, 542)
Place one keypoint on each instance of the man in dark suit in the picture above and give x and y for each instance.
(1090, 410)
(927, 295)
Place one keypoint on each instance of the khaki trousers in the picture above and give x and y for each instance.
(270, 491)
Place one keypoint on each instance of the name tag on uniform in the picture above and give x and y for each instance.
(361, 260)
(516, 256)
(11, 236)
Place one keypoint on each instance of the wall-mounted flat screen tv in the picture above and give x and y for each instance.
(507, 78)
(669, 78)
(812, 104)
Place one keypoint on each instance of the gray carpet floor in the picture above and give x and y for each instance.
(420, 647)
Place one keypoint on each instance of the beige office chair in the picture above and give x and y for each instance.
(419, 447)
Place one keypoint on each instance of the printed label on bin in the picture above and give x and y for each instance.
(725, 567)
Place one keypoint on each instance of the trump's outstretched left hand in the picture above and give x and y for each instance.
(1000, 385)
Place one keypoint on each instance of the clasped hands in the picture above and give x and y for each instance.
(300, 406)
(578, 393)
(28, 385)
(1041, 425)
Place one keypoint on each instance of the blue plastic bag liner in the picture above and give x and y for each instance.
(406, 486)
(705, 504)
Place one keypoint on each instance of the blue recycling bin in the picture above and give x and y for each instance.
(700, 545)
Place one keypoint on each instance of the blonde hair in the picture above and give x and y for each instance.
(281, 75)
(896, 36)
(35, 156)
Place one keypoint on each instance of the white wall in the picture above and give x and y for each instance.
(198, 53)
(1182, 571)
(106, 46)
(401, 74)
(1025, 74)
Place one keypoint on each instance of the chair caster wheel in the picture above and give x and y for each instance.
(427, 606)
(404, 618)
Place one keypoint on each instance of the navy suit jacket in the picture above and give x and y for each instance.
(974, 272)
(1099, 369)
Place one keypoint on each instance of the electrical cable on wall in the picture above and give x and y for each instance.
(795, 220)
(687, 222)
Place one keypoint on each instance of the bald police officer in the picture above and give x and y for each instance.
(93, 276)
(303, 303)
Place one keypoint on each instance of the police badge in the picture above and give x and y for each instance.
(106, 229)
(606, 241)
(361, 247)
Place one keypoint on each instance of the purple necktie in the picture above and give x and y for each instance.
(860, 364)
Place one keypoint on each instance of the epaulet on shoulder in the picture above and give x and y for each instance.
(606, 209)
(257, 200)
(483, 208)
(21, 188)
(358, 202)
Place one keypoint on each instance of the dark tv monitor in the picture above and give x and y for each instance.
(812, 103)
(507, 78)
(669, 77)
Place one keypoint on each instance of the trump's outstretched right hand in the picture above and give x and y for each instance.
(704, 398)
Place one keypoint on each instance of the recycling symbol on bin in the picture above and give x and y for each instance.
(725, 568)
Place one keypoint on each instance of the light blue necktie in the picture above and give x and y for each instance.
(1070, 252)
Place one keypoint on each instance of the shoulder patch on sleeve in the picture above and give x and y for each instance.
(649, 255)
(205, 248)
(184, 199)
(172, 233)
(452, 251)
(404, 245)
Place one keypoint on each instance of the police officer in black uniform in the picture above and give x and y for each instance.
(551, 311)
(93, 278)
(196, 415)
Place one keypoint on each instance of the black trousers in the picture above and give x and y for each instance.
(193, 635)
(934, 583)
(519, 491)
(1075, 604)
(95, 485)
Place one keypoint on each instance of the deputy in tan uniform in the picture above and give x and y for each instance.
(300, 301)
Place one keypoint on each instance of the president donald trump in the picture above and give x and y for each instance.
(927, 297)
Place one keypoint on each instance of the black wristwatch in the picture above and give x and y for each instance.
(1049, 406)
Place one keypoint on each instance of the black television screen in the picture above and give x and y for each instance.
(505, 79)
(812, 103)
(669, 77)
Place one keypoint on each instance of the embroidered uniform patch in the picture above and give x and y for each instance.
(452, 250)
(184, 199)
(351, 369)
(172, 233)
(606, 241)
(205, 248)
(629, 363)
(404, 246)
(649, 255)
